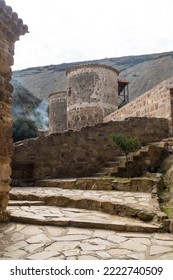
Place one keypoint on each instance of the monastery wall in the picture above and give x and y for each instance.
(80, 153)
(157, 102)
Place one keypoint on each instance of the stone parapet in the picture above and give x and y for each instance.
(91, 66)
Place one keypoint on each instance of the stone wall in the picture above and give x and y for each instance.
(92, 94)
(11, 27)
(80, 153)
(157, 102)
(58, 112)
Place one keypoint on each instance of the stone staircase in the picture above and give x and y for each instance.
(106, 201)
(114, 204)
(148, 158)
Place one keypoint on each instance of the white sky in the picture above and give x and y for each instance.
(75, 30)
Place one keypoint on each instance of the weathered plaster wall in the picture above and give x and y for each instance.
(10, 29)
(80, 153)
(157, 102)
(58, 112)
(92, 93)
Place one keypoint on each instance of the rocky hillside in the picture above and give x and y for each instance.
(143, 72)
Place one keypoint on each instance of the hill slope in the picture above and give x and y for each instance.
(143, 72)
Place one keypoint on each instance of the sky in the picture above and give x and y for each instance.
(64, 31)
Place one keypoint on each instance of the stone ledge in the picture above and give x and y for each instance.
(50, 215)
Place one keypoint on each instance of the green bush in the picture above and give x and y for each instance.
(23, 129)
(127, 145)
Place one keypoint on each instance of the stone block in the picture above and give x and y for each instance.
(171, 226)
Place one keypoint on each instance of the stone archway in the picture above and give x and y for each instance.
(11, 27)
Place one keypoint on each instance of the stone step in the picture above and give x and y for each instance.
(134, 160)
(136, 204)
(108, 170)
(25, 203)
(143, 153)
(99, 174)
(137, 157)
(95, 183)
(161, 144)
(120, 174)
(120, 158)
(50, 215)
(144, 148)
(111, 164)
(122, 169)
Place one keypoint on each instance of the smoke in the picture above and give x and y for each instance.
(40, 115)
(17, 111)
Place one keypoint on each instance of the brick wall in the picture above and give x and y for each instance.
(154, 103)
(8, 23)
(80, 153)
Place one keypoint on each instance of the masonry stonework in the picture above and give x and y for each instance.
(79, 153)
(11, 27)
(58, 112)
(157, 102)
(92, 94)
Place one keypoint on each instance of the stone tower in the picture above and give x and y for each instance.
(92, 94)
(57, 112)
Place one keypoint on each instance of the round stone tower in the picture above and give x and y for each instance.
(57, 112)
(92, 94)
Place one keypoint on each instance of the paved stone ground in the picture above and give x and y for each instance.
(32, 242)
(60, 216)
(79, 224)
(143, 205)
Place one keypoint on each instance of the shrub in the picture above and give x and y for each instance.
(23, 129)
(127, 145)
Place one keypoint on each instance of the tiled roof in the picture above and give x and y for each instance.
(11, 21)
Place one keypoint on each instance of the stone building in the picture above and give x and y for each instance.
(89, 100)
(157, 103)
(11, 27)
(57, 112)
(92, 94)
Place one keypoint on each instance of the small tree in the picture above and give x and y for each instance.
(24, 128)
(127, 145)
